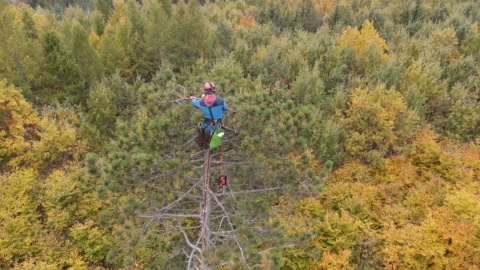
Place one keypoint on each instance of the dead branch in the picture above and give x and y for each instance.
(166, 215)
(168, 207)
(248, 191)
(231, 227)
(192, 246)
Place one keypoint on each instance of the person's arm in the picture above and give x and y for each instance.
(224, 107)
(196, 102)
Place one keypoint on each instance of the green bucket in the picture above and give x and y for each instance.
(217, 138)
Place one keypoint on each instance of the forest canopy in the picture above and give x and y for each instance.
(352, 135)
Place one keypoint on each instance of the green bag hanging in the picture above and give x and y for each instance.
(217, 138)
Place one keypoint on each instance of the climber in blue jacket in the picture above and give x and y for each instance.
(212, 107)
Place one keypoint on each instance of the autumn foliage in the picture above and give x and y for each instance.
(417, 211)
(351, 140)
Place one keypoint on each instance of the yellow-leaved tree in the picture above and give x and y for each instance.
(47, 210)
(59, 144)
(32, 141)
(19, 124)
(370, 49)
(420, 211)
(361, 39)
(377, 123)
(325, 5)
(320, 238)
(20, 227)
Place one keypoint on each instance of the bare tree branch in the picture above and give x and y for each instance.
(168, 207)
(231, 227)
(167, 215)
(248, 191)
(192, 246)
(273, 248)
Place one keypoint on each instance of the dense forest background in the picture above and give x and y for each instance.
(352, 139)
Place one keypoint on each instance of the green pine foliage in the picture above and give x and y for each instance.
(21, 53)
(183, 45)
(75, 32)
(61, 78)
(352, 136)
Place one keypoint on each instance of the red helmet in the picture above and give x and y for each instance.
(209, 87)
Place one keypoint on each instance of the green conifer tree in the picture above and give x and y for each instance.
(121, 45)
(61, 79)
(156, 34)
(185, 46)
(75, 36)
(20, 50)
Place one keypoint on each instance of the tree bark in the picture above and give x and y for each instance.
(206, 207)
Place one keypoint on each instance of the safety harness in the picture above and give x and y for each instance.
(214, 124)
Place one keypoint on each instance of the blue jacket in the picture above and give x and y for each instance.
(218, 107)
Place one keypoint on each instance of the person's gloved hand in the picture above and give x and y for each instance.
(192, 97)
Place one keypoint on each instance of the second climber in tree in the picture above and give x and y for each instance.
(212, 107)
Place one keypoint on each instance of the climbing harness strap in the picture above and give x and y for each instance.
(213, 122)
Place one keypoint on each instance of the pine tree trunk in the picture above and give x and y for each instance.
(206, 207)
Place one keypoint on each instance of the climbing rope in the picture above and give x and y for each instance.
(222, 180)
